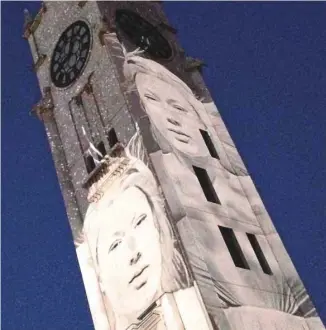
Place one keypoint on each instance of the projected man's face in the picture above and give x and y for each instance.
(166, 107)
(129, 253)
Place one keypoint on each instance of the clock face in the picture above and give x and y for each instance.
(70, 54)
(142, 33)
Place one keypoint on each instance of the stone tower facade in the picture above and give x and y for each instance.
(170, 232)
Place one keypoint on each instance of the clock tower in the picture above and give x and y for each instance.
(170, 232)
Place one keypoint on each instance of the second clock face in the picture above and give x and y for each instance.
(70, 54)
(143, 34)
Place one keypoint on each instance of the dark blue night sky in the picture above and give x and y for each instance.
(266, 71)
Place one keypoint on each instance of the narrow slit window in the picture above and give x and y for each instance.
(234, 247)
(259, 254)
(206, 185)
(101, 148)
(209, 144)
(112, 137)
(90, 164)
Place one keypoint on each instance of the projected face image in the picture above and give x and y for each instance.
(129, 253)
(166, 107)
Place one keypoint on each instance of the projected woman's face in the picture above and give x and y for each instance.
(166, 107)
(129, 253)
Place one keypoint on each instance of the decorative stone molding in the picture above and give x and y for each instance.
(81, 4)
(104, 174)
(88, 89)
(31, 26)
(117, 150)
(44, 105)
(106, 28)
(78, 99)
(41, 59)
(101, 34)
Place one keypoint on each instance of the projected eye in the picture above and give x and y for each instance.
(151, 97)
(114, 245)
(140, 220)
(178, 107)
